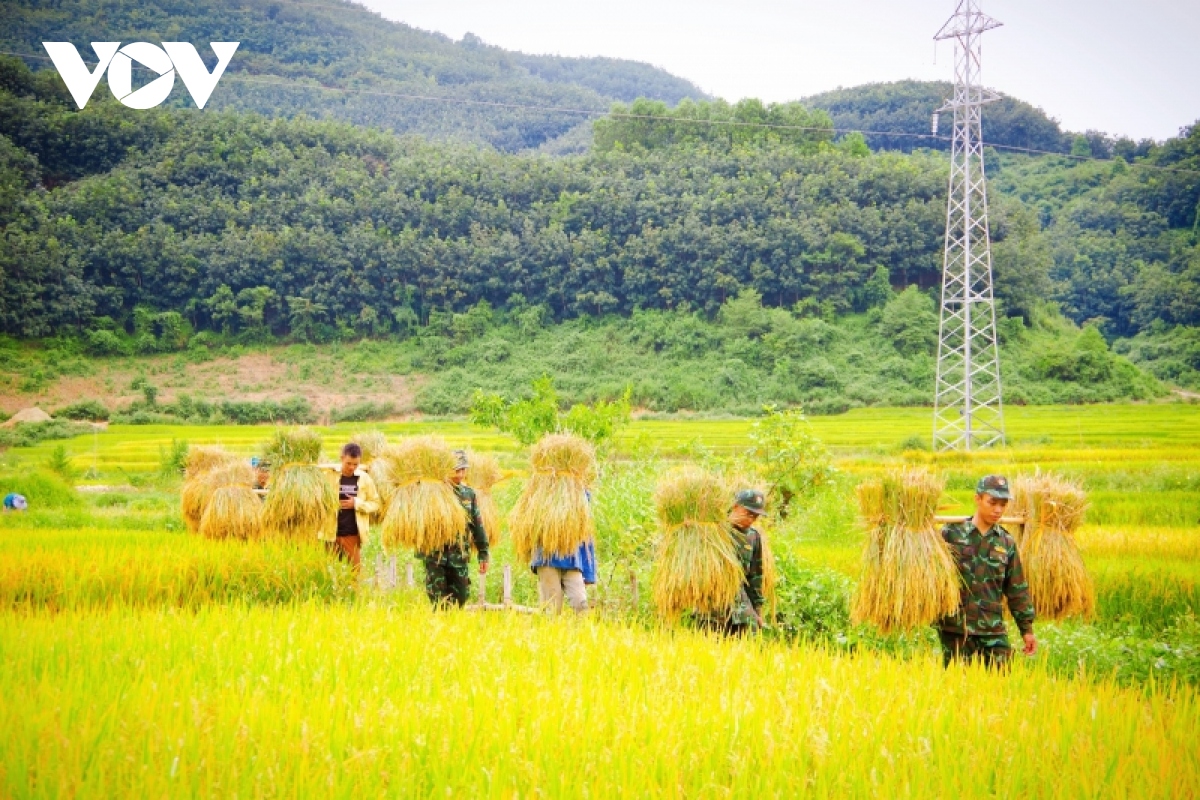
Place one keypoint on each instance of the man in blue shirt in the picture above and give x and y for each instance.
(566, 575)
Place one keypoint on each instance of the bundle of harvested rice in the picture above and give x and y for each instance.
(372, 444)
(205, 459)
(696, 565)
(302, 500)
(552, 512)
(424, 512)
(232, 513)
(1058, 581)
(383, 470)
(295, 446)
(483, 473)
(770, 575)
(198, 490)
(909, 578)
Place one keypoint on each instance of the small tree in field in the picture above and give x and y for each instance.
(786, 456)
(533, 417)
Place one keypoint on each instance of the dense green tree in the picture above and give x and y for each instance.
(338, 60)
(898, 116)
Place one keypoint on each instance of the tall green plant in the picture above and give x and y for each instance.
(785, 455)
(531, 418)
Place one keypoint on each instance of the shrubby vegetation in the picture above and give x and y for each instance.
(27, 434)
(530, 418)
(751, 355)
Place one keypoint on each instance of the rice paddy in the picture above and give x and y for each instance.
(142, 659)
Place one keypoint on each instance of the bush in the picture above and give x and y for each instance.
(28, 434)
(365, 411)
(106, 343)
(293, 411)
(85, 410)
(143, 417)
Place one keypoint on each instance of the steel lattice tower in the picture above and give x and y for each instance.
(967, 405)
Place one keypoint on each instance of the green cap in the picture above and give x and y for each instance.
(751, 500)
(995, 485)
(460, 459)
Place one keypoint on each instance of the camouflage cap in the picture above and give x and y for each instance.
(460, 459)
(752, 500)
(995, 485)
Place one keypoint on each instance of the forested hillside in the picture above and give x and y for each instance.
(295, 56)
(901, 114)
(179, 230)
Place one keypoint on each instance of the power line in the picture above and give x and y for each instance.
(591, 112)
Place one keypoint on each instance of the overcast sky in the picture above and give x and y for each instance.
(1122, 67)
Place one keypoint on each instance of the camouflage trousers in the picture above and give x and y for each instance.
(726, 626)
(992, 651)
(448, 576)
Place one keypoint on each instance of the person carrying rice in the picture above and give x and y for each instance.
(991, 571)
(447, 570)
(745, 615)
(566, 576)
(358, 499)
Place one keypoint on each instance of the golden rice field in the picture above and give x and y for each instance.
(318, 700)
(141, 660)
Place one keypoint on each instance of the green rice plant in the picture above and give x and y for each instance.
(248, 701)
(424, 513)
(553, 514)
(1147, 593)
(1129, 542)
(697, 565)
(908, 579)
(123, 568)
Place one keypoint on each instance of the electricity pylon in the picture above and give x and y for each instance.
(968, 412)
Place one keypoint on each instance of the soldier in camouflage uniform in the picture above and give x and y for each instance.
(745, 616)
(991, 571)
(448, 571)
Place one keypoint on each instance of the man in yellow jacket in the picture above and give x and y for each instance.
(358, 499)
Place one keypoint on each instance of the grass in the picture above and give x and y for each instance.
(313, 699)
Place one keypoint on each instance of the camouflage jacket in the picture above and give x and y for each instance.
(474, 535)
(991, 571)
(748, 544)
(748, 606)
